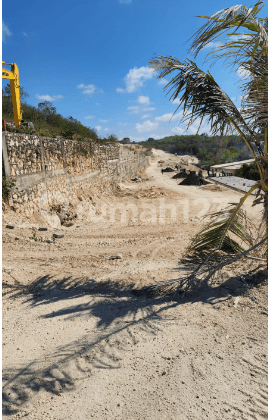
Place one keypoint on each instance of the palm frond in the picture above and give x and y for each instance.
(234, 17)
(197, 269)
(255, 103)
(224, 231)
(202, 98)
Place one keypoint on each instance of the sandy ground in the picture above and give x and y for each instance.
(77, 344)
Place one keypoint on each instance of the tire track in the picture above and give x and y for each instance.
(255, 369)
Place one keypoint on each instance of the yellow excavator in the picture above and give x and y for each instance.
(13, 76)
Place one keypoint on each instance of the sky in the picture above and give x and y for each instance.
(91, 59)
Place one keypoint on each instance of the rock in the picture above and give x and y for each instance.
(265, 272)
(42, 228)
(58, 235)
(68, 224)
(9, 226)
(236, 301)
(114, 257)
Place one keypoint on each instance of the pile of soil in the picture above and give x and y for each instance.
(192, 179)
(180, 175)
(168, 169)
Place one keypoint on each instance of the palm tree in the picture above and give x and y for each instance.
(245, 48)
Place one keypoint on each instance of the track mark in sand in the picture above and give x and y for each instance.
(152, 253)
(256, 387)
(143, 249)
(156, 250)
(259, 402)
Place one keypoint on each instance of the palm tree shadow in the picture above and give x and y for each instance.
(116, 311)
(119, 309)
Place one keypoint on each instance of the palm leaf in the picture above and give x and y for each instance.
(202, 98)
(234, 17)
(223, 232)
(255, 103)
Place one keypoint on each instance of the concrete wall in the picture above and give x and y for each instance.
(57, 173)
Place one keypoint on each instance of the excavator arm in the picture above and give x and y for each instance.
(13, 76)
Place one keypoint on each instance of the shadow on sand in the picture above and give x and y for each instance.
(118, 313)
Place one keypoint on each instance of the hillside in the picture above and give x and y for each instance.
(47, 121)
(209, 150)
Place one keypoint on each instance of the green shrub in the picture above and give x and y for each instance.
(248, 172)
(7, 185)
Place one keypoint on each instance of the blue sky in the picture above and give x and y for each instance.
(91, 59)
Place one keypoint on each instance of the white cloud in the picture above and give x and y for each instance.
(104, 121)
(89, 90)
(213, 44)
(176, 101)
(146, 116)
(120, 123)
(134, 109)
(162, 82)
(138, 109)
(106, 129)
(89, 117)
(195, 126)
(135, 79)
(125, 1)
(148, 109)
(242, 73)
(98, 127)
(5, 31)
(49, 98)
(167, 117)
(177, 130)
(146, 126)
(144, 100)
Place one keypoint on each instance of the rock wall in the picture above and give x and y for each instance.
(55, 177)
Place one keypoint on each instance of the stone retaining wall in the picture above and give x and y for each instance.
(57, 173)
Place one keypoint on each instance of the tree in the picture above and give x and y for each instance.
(248, 172)
(46, 108)
(112, 138)
(245, 47)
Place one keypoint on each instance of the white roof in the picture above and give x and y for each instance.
(231, 164)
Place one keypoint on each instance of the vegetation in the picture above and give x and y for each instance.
(47, 121)
(7, 185)
(209, 150)
(245, 47)
(34, 237)
(248, 172)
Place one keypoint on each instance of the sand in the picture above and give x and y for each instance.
(77, 344)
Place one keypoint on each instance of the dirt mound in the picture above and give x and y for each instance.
(168, 169)
(193, 179)
(180, 175)
(213, 187)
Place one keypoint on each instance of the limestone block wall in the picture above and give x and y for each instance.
(58, 173)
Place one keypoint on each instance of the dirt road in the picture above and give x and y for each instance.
(77, 344)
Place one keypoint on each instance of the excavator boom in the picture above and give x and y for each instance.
(13, 76)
